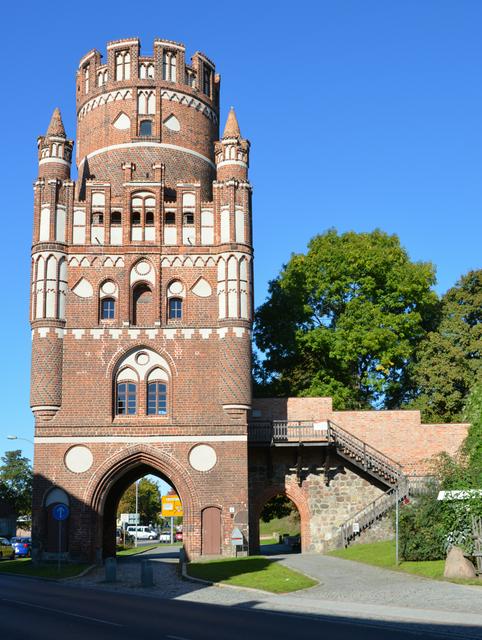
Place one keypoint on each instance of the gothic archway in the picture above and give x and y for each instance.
(105, 490)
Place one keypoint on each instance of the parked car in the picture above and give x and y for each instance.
(22, 546)
(142, 533)
(6, 549)
(165, 536)
(178, 536)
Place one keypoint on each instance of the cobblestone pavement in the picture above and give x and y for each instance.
(346, 589)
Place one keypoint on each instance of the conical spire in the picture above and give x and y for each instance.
(231, 130)
(56, 126)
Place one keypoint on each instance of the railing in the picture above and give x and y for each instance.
(372, 512)
(364, 455)
(280, 431)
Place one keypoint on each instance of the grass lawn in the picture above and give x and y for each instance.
(269, 541)
(288, 524)
(256, 572)
(24, 567)
(133, 550)
(382, 554)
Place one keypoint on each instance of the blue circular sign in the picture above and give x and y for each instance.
(61, 512)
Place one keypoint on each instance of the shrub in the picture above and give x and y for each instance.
(421, 531)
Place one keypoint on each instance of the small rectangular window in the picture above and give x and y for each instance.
(107, 311)
(207, 73)
(175, 308)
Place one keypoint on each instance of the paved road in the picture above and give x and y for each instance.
(35, 610)
(352, 601)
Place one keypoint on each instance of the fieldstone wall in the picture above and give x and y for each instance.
(326, 490)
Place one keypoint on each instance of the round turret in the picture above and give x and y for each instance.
(145, 111)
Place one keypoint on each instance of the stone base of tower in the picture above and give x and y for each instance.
(209, 475)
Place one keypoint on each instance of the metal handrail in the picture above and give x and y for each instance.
(367, 449)
(372, 511)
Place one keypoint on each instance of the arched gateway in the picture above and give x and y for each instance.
(141, 303)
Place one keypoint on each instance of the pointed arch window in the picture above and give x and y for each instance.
(123, 65)
(169, 64)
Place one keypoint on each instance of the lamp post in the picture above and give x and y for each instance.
(137, 511)
(12, 437)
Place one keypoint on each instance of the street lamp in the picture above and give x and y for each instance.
(11, 437)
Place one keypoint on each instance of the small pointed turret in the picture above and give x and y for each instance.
(56, 126)
(232, 151)
(231, 130)
(55, 150)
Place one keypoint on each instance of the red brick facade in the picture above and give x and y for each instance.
(158, 225)
(141, 309)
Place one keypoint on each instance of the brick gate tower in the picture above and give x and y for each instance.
(141, 302)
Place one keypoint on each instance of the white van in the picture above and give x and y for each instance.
(142, 533)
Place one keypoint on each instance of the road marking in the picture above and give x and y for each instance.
(65, 613)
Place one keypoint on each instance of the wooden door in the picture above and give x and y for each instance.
(211, 531)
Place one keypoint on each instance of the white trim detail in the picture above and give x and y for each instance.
(236, 406)
(157, 145)
(45, 407)
(122, 43)
(54, 160)
(225, 163)
(136, 440)
(167, 44)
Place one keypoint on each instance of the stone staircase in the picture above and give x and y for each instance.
(379, 466)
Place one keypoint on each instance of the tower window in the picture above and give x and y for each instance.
(169, 63)
(107, 309)
(156, 399)
(116, 217)
(97, 218)
(207, 73)
(145, 128)
(123, 65)
(150, 217)
(175, 308)
(126, 402)
(136, 217)
(170, 217)
(188, 217)
(86, 79)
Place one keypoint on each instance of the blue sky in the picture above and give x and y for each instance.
(360, 115)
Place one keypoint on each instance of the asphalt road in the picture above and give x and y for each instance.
(37, 610)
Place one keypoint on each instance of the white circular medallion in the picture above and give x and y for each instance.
(108, 287)
(142, 358)
(79, 459)
(202, 457)
(175, 287)
(143, 268)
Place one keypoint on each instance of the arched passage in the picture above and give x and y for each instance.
(297, 497)
(120, 472)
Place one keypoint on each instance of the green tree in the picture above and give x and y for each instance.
(16, 482)
(149, 501)
(449, 360)
(344, 320)
(278, 507)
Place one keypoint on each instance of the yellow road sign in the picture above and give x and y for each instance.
(171, 506)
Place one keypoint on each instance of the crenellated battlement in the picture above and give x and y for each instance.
(125, 66)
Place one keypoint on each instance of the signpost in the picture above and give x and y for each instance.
(60, 513)
(237, 539)
(171, 507)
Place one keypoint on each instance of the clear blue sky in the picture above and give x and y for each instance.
(360, 115)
